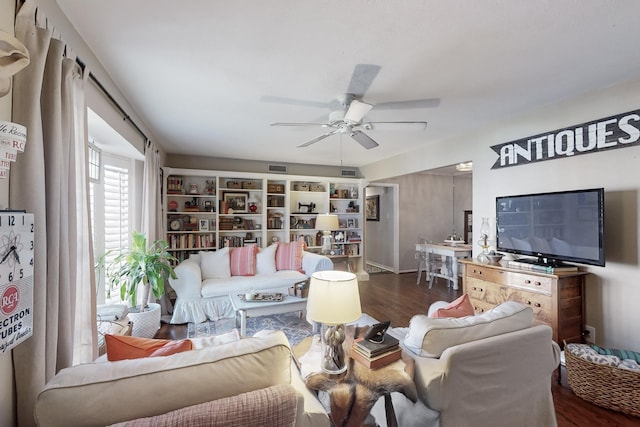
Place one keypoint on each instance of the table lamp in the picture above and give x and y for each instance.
(333, 300)
(327, 223)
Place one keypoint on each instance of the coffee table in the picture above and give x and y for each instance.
(262, 308)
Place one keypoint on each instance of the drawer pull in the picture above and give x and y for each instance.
(527, 282)
(538, 284)
(538, 305)
(474, 288)
(528, 302)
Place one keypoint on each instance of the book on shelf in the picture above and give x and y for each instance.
(377, 361)
(542, 268)
(373, 349)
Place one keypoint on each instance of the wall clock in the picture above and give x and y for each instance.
(16, 278)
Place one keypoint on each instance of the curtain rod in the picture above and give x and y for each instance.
(115, 103)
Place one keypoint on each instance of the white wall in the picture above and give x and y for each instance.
(612, 292)
(7, 394)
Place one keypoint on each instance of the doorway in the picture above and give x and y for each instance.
(382, 234)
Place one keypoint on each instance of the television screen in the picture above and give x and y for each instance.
(555, 227)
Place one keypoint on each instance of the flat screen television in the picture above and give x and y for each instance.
(554, 227)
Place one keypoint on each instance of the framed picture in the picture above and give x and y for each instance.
(372, 211)
(236, 201)
(351, 223)
(207, 205)
(203, 225)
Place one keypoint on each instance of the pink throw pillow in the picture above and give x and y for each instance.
(289, 256)
(243, 260)
(461, 307)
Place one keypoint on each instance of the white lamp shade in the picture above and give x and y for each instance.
(333, 297)
(327, 222)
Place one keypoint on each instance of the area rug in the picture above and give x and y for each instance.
(295, 328)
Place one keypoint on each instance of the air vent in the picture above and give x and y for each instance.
(349, 172)
(278, 168)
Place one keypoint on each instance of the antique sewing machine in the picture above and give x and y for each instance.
(310, 207)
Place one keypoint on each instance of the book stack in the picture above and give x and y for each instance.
(376, 355)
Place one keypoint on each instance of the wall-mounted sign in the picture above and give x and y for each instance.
(13, 139)
(613, 132)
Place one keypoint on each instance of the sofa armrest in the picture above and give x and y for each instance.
(315, 262)
(312, 413)
(189, 280)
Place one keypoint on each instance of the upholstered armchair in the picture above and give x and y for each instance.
(492, 369)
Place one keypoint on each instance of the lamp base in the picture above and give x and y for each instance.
(326, 243)
(334, 360)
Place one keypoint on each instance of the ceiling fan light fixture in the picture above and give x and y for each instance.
(356, 112)
(464, 167)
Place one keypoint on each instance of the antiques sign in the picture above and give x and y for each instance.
(613, 132)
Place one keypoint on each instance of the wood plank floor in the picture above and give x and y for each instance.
(394, 297)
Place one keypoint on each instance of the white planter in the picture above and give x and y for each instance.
(146, 323)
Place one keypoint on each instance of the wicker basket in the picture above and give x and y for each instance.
(606, 386)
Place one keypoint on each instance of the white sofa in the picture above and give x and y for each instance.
(252, 381)
(204, 282)
(493, 369)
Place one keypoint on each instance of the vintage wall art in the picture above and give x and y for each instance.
(373, 208)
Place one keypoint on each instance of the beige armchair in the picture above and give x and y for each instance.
(493, 370)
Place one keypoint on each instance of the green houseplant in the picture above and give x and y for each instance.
(144, 265)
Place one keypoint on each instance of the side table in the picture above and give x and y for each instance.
(353, 393)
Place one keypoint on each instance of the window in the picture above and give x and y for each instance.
(111, 216)
(114, 163)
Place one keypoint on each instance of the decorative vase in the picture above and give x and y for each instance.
(146, 323)
(484, 240)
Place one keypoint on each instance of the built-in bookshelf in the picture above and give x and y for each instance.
(208, 210)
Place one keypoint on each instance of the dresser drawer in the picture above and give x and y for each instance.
(480, 306)
(485, 295)
(510, 278)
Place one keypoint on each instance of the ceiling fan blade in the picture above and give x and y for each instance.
(292, 101)
(361, 79)
(416, 126)
(324, 125)
(415, 103)
(364, 140)
(319, 138)
(357, 110)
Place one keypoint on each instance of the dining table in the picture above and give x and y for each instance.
(451, 252)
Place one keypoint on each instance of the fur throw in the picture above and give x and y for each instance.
(353, 394)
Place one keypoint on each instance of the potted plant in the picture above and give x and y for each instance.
(144, 265)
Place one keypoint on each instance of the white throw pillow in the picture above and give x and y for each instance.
(266, 260)
(215, 264)
(429, 337)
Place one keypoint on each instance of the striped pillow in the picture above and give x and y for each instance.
(622, 354)
(243, 261)
(289, 256)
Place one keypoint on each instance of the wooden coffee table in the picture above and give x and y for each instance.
(260, 308)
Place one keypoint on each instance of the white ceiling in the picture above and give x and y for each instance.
(198, 72)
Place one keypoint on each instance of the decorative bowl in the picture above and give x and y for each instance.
(494, 258)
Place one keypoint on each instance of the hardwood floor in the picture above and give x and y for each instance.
(397, 298)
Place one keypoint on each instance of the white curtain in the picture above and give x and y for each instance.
(50, 180)
(151, 202)
(152, 205)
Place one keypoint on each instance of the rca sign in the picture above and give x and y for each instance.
(10, 299)
(16, 313)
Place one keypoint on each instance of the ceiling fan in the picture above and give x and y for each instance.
(348, 111)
